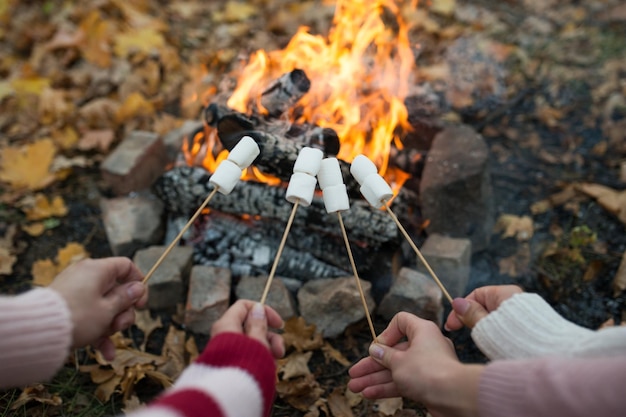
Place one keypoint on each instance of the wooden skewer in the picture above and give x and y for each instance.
(180, 235)
(417, 251)
(279, 252)
(356, 276)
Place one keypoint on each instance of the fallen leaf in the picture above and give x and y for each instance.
(28, 166)
(99, 140)
(7, 260)
(301, 336)
(443, 7)
(301, 393)
(38, 393)
(145, 322)
(295, 365)
(34, 229)
(612, 200)
(332, 353)
(145, 40)
(96, 46)
(389, 406)
(514, 226)
(43, 272)
(44, 208)
(338, 404)
(65, 138)
(70, 254)
(174, 352)
(619, 282)
(135, 105)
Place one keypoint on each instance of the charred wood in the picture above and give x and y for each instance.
(284, 92)
(184, 188)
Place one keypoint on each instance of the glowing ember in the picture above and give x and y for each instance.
(360, 76)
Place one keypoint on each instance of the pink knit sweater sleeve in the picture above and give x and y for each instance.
(35, 337)
(553, 386)
(234, 376)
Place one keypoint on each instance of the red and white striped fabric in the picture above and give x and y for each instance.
(235, 376)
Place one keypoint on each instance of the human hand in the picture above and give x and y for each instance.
(424, 368)
(253, 319)
(102, 295)
(480, 302)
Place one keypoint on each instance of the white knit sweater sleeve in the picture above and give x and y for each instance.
(526, 326)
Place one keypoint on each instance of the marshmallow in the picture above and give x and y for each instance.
(226, 176)
(301, 188)
(336, 198)
(362, 167)
(308, 161)
(329, 173)
(376, 190)
(244, 152)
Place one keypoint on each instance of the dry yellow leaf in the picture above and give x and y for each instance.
(28, 166)
(43, 272)
(34, 229)
(145, 40)
(6, 89)
(96, 47)
(44, 208)
(443, 7)
(66, 138)
(134, 105)
(70, 254)
(339, 404)
(31, 85)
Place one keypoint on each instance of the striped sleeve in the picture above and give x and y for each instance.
(234, 376)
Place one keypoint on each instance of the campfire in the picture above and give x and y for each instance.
(344, 94)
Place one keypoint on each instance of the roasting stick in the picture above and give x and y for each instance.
(279, 252)
(377, 192)
(224, 179)
(299, 192)
(356, 277)
(417, 251)
(179, 236)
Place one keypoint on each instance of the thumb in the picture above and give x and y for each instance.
(256, 323)
(468, 311)
(381, 354)
(124, 296)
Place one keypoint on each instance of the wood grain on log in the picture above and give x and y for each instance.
(183, 189)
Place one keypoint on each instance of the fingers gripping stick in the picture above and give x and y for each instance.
(377, 193)
(299, 191)
(224, 179)
(336, 200)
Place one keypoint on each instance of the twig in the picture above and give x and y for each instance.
(419, 254)
(180, 235)
(356, 276)
(279, 252)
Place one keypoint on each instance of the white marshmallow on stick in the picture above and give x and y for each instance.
(229, 171)
(361, 168)
(299, 191)
(244, 153)
(224, 179)
(336, 200)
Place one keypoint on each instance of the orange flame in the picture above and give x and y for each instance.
(360, 76)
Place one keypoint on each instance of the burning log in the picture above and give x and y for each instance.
(283, 93)
(248, 247)
(184, 188)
